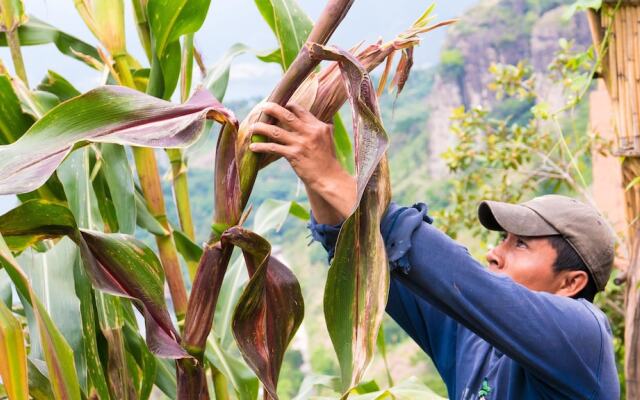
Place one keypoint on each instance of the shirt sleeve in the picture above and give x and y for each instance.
(560, 340)
(431, 329)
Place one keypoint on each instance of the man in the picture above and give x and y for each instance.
(524, 328)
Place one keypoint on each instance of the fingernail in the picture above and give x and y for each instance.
(252, 147)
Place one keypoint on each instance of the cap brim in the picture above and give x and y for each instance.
(513, 218)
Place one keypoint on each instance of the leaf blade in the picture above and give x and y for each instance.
(108, 114)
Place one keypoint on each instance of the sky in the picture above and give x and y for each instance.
(229, 22)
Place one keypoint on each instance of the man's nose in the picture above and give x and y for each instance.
(494, 259)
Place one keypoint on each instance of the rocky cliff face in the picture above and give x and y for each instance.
(495, 31)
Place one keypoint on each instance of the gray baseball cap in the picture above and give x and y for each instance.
(578, 223)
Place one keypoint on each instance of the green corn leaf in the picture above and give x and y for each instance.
(270, 309)
(13, 365)
(309, 383)
(289, 23)
(359, 271)
(145, 220)
(39, 385)
(235, 279)
(13, 121)
(217, 77)
(36, 32)
(109, 114)
(145, 360)
(190, 251)
(36, 220)
(242, 379)
(56, 84)
(119, 177)
(409, 390)
(344, 149)
(6, 291)
(50, 274)
(381, 345)
(272, 214)
(57, 352)
(168, 20)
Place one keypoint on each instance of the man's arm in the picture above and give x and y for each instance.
(431, 329)
(558, 339)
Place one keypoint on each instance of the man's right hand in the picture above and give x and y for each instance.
(307, 143)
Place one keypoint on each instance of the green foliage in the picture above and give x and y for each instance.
(513, 150)
(452, 63)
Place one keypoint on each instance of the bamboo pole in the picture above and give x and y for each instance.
(623, 82)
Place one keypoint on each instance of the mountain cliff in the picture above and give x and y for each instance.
(493, 31)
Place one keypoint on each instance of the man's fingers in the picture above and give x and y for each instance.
(300, 112)
(271, 148)
(275, 133)
(281, 114)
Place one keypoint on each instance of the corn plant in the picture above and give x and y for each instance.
(69, 249)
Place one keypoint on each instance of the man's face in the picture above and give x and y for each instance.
(527, 260)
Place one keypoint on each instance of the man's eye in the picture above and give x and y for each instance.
(521, 243)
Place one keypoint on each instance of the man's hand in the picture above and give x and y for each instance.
(307, 143)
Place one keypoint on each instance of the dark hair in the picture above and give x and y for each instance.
(567, 259)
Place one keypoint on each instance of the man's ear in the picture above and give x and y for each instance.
(572, 282)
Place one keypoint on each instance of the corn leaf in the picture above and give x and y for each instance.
(270, 309)
(108, 114)
(145, 220)
(13, 121)
(105, 19)
(217, 77)
(39, 385)
(13, 365)
(289, 23)
(36, 32)
(50, 274)
(242, 379)
(170, 19)
(57, 352)
(190, 251)
(119, 178)
(124, 266)
(409, 390)
(11, 14)
(357, 283)
(83, 203)
(116, 263)
(56, 84)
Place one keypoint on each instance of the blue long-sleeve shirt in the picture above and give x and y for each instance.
(486, 334)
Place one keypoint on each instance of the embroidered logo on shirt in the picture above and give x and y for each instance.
(484, 391)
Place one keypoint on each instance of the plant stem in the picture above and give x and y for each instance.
(16, 55)
(147, 168)
(178, 166)
(302, 66)
(220, 384)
